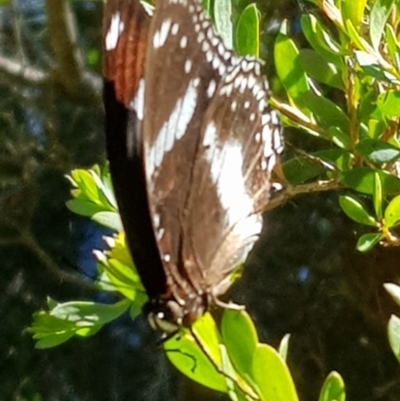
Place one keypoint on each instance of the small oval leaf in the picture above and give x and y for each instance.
(367, 241)
(240, 338)
(248, 32)
(392, 212)
(355, 210)
(272, 375)
(333, 388)
(362, 180)
(394, 335)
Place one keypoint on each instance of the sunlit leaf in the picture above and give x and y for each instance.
(356, 211)
(272, 376)
(353, 11)
(388, 103)
(319, 69)
(333, 388)
(327, 113)
(367, 241)
(188, 357)
(392, 212)
(394, 335)
(284, 346)
(240, 338)
(222, 19)
(380, 12)
(394, 291)
(288, 66)
(362, 179)
(377, 151)
(248, 31)
(109, 219)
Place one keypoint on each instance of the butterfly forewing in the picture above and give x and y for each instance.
(207, 166)
(126, 26)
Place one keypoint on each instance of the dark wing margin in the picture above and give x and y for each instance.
(125, 30)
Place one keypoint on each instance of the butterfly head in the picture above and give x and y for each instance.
(167, 315)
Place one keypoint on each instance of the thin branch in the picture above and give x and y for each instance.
(67, 69)
(19, 69)
(26, 239)
(291, 191)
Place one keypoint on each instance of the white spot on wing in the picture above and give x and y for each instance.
(210, 134)
(173, 129)
(226, 172)
(183, 42)
(138, 102)
(114, 32)
(188, 66)
(211, 88)
(137, 105)
(160, 37)
(175, 29)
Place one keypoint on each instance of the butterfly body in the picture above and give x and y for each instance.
(192, 158)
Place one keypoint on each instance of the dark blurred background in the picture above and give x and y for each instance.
(303, 278)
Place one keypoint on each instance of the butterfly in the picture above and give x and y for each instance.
(191, 142)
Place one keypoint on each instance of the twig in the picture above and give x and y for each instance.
(290, 191)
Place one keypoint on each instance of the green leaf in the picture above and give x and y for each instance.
(186, 355)
(108, 219)
(83, 208)
(64, 320)
(248, 32)
(240, 339)
(272, 376)
(371, 67)
(392, 212)
(394, 335)
(222, 19)
(327, 113)
(376, 128)
(86, 184)
(377, 197)
(355, 210)
(53, 340)
(207, 8)
(362, 180)
(123, 278)
(339, 137)
(288, 66)
(394, 291)
(353, 11)
(388, 103)
(367, 241)
(284, 346)
(333, 388)
(322, 41)
(319, 69)
(105, 191)
(118, 272)
(380, 12)
(93, 192)
(89, 313)
(301, 169)
(393, 45)
(338, 158)
(378, 152)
